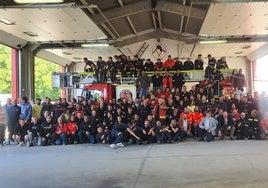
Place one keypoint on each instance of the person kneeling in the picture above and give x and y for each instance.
(121, 132)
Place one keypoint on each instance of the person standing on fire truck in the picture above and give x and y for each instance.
(144, 82)
(100, 70)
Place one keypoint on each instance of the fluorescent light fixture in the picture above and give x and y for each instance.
(212, 41)
(6, 21)
(38, 1)
(67, 53)
(94, 45)
(239, 52)
(31, 34)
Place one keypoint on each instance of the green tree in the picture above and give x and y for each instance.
(43, 79)
(5, 70)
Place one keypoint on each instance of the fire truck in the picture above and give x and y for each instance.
(84, 84)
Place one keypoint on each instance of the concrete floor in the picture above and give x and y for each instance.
(190, 164)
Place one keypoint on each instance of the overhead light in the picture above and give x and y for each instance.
(239, 52)
(38, 1)
(77, 58)
(212, 41)
(94, 45)
(6, 21)
(67, 53)
(246, 47)
(31, 34)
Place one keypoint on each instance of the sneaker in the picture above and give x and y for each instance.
(130, 141)
(145, 142)
(6, 142)
(31, 144)
(113, 146)
(120, 144)
(20, 144)
(245, 139)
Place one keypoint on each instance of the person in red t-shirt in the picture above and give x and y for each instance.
(169, 63)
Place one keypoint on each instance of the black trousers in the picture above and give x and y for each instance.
(2, 133)
(203, 133)
(242, 132)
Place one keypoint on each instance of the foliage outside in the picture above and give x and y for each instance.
(5, 70)
(43, 78)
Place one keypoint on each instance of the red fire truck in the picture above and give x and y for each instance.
(95, 92)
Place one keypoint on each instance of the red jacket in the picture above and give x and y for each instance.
(72, 127)
(197, 117)
(61, 128)
(167, 81)
(169, 63)
(162, 111)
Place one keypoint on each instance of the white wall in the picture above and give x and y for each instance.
(174, 48)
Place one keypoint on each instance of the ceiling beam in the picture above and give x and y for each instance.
(90, 9)
(154, 20)
(224, 1)
(128, 18)
(182, 18)
(150, 35)
(120, 3)
(131, 25)
(187, 39)
(143, 6)
(159, 19)
(108, 30)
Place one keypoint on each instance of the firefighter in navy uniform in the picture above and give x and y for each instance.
(254, 125)
(242, 127)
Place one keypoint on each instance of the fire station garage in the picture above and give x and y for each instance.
(155, 93)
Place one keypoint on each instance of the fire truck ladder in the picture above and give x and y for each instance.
(143, 48)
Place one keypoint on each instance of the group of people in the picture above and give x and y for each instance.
(163, 117)
(133, 67)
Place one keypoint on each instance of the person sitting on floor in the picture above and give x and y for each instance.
(207, 127)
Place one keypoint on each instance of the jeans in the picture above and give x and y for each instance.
(82, 135)
(143, 91)
(117, 137)
(60, 139)
(32, 137)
